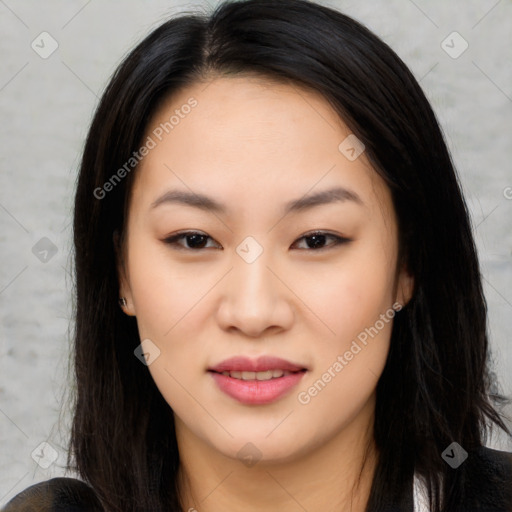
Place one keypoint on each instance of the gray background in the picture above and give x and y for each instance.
(46, 107)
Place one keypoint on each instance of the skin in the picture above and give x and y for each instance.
(253, 145)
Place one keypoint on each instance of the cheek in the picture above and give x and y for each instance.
(170, 301)
(355, 302)
(351, 295)
(164, 291)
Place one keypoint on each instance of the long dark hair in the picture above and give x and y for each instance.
(436, 387)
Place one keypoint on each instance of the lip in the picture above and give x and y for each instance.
(262, 364)
(257, 392)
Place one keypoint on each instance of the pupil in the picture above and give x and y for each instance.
(318, 240)
(195, 237)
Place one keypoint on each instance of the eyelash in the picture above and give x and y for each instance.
(338, 240)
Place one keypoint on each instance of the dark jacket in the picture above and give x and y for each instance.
(489, 489)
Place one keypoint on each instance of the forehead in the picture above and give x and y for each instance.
(260, 137)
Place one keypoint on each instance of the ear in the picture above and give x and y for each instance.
(124, 284)
(404, 287)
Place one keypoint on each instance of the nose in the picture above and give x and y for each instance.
(255, 299)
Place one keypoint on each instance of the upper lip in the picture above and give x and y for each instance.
(263, 363)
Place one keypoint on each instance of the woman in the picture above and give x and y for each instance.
(279, 304)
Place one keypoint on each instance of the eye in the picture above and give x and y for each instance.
(195, 240)
(316, 240)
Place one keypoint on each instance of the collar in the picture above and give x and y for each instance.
(420, 496)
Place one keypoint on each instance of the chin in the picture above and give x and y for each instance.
(256, 446)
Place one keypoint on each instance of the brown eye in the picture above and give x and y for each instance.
(194, 240)
(316, 241)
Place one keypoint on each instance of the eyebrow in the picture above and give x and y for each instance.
(203, 202)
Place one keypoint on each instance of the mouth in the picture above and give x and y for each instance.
(259, 376)
(252, 391)
(257, 382)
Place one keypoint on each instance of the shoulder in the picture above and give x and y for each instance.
(489, 480)
(489, 464)
(56, 495)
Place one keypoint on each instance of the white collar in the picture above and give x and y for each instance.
(420, 496)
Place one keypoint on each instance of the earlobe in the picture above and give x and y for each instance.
(125, 299)
(127, 308)
(405, 287)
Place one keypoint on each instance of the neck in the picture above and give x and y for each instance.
(335, 476)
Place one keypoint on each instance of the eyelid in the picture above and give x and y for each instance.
(339, 240)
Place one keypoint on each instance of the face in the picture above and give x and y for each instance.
(269, 265)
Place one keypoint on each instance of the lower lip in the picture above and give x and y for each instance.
(257, 391)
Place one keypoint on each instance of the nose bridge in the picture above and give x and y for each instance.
(251, 279)
(253, 298)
